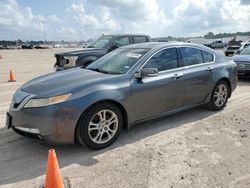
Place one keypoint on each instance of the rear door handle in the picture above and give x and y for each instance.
(177, 76)
(209, 69)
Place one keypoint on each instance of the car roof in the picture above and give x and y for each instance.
(119, 35)
(159, 45)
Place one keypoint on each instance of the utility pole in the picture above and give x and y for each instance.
(44, 33)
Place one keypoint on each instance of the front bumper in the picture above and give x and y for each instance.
(229, 53)
(243, 72)
(53, 124)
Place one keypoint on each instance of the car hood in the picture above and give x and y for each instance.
(79, 52)
(238, 58)
(62, 82)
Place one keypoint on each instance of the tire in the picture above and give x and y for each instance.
(95, 130)
(219, 96)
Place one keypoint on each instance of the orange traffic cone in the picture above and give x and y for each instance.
(53, 176)
(12, 78)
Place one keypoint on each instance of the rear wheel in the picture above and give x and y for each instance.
(219, 96)
(100, 126)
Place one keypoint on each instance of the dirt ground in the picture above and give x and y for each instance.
(195, 148)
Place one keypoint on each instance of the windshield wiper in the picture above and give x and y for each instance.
(90, 47)
(98, 70)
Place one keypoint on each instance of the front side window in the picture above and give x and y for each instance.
(190, 56)
(207, 57)
(122, 41)
(163, 60)
(118, 61)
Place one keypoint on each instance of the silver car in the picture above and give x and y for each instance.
(131, 84)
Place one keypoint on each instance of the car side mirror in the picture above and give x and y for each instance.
(147, 72)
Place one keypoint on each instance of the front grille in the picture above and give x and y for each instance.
(60, 61)
(246, 64)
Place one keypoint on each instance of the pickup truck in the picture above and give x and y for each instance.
(215, 44)
(95, 50)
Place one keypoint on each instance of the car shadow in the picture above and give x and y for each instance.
(22, 158)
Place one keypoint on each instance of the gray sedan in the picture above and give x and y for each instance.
(131, 84)
(243, 62)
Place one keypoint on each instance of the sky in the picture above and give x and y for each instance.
(84, 19)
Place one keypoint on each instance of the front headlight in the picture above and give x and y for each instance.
(46, 101)
(71, 60)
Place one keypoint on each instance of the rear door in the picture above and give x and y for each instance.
(198, 73)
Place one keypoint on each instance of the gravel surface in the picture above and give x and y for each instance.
(195, 148)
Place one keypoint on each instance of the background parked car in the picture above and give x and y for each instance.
(231, 50)
(27, 46)
(39, 47)
(243, 62)
(215, 44)
(96, 49)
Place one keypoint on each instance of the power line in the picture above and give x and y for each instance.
(44, 33)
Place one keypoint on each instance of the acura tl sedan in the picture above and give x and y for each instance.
(134, 83)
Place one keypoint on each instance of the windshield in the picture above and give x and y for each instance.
(246, 51)
(101, 42)
(118, 61)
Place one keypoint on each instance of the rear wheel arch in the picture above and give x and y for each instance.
(119, 105)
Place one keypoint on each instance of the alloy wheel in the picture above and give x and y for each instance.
(103, 126)
(220, 95)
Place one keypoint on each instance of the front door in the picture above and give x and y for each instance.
(152, 96)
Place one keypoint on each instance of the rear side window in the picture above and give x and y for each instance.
(190, 56)
(140, 39)
(207, 57)
(163, 60)
(122, 41)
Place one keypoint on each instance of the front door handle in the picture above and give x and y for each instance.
(209, 69)
(177, 76)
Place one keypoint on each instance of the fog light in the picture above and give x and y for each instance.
(29, 130)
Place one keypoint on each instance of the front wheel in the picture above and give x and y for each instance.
(100, 126)
(219, 96)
